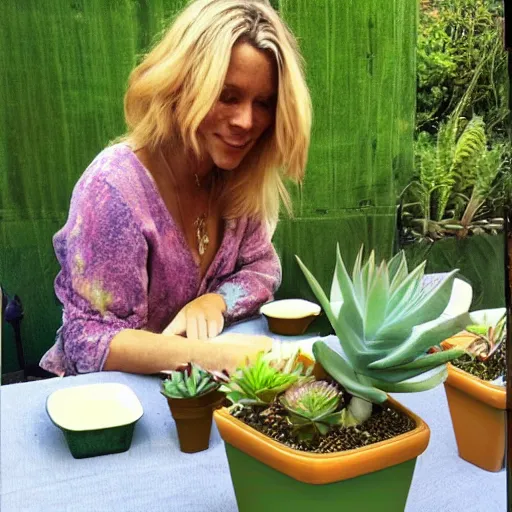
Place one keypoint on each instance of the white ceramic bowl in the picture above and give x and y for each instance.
(290, 316)
(96, 419)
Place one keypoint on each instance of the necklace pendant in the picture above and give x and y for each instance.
(203, 244)
(201, 234)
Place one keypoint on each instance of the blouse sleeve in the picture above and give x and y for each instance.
(103, 282)
(256, 277)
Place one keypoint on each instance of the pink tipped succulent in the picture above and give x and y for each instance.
(312, 400)
(312, 408)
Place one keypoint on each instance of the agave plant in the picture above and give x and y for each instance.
(312, 408)
(387, 321)
(190, 381)
(260, 383)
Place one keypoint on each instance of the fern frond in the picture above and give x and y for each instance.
(488, 168)
(469, 149)
(446, 140)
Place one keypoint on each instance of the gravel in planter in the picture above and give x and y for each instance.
(494, 367)
(384, 423)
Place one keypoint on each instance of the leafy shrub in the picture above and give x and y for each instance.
(455, 38)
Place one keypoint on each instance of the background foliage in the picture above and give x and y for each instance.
(462, 177)
(454, 37)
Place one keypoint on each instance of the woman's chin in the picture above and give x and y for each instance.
(227, 164)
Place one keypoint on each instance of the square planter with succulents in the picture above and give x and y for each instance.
(475, 389)
(324, 430)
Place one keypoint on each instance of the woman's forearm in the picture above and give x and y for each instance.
(138, 351)
(143, 352)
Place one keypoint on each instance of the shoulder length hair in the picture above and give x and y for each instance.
(181, 78)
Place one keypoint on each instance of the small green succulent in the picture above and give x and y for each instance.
(260, 383)
(386, 319)
(312, 408)
(189, 381)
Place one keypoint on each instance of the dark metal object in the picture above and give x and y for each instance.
(13, 315)
(507, 25)
(508, 304)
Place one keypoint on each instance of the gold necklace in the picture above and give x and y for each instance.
(200, 222)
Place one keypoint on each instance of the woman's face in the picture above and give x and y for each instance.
(245, 109)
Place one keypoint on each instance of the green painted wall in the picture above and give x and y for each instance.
(61, 101)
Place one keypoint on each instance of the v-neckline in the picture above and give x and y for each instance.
(181, 236)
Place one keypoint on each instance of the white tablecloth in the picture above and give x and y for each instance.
(39, 474)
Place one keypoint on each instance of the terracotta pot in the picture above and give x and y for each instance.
(289, 326)
(290, 317)
(193, 417)
(478, 412)
(262, 467)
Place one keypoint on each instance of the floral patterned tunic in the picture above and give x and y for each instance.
(126, 265)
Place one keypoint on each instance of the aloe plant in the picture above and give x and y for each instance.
(387, 322)
(312, 408)
(261, 382)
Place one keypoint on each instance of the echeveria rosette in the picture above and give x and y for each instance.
(386, 323)
(261, 382)
(190, 381)
(312, 408)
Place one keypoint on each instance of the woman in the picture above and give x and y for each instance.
(168, 234)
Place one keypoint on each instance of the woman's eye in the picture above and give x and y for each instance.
(228, 99)
(264, 104)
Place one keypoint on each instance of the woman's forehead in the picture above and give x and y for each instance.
(251, 69)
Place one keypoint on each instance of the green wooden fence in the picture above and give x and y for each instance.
(64, 76)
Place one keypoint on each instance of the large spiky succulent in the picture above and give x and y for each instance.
(260, 383)
(312, 408)
(387, 321)
(190, 381)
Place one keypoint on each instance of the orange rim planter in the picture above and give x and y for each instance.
(478, 411)
(262, 467)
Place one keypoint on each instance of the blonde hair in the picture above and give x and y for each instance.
(171, 91)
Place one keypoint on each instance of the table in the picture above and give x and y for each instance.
(38, 473)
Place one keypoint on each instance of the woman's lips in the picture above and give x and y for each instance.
(234, 144)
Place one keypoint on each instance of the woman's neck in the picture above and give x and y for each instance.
(186, 168)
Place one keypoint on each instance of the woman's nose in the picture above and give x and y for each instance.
(243, 117)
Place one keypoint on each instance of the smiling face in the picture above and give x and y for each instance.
(245, 108)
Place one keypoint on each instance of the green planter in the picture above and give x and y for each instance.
(261, 488)
(99, 442)
(271, 477)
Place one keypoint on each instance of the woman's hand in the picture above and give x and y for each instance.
(229, 351)
(200, 319)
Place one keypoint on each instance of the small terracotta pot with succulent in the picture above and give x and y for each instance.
(475, 389)
(192, 394)
(303, 437)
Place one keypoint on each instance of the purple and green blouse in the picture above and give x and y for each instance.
(125, 264)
